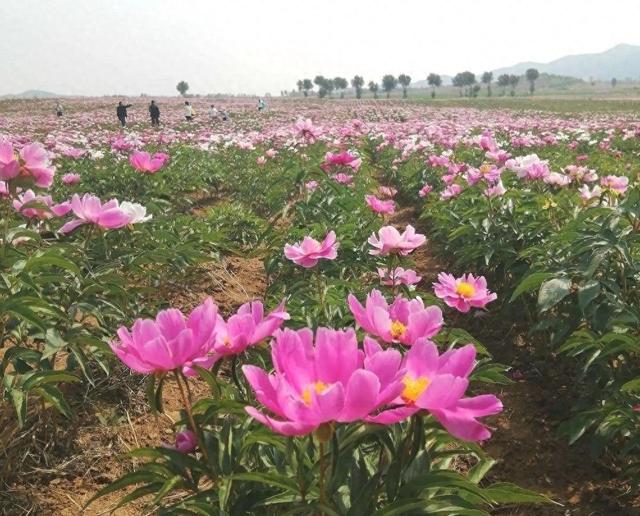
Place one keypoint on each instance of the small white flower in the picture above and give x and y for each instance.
(137, 212)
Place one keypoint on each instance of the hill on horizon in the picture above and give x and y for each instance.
(32, 94)
(621, 62)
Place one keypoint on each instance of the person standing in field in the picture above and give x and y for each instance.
(212, 112)
(154, 112)
(261, 105)
(121, 112)
(59, 109)
(188, 111)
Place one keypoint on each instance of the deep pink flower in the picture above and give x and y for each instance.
(380, 206)
(186, 442)
(146, 163)
(389, 241)
(322, 383)
(437, 383)
(404, 321)
(464, 292)
(309, 251)
(398, 276)
(343, 159)
(90, 210)
(170, 341)
(247, 327)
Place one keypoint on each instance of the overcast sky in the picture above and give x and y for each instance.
(96, 47)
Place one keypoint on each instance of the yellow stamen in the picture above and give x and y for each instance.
(465, 289)
(485, 169)
(413, 388)
(397, 329)
(319, 387)
(226, 341)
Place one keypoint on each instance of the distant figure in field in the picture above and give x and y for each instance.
(261, 105)
(121, 111)
(225, 115)
(212, 112)
(154, 112)
(59, 109)
(189, 112)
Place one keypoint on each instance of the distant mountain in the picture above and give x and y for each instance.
(621, 62)
(32, 94)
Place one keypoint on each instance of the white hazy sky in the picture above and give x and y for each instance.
(96, 47)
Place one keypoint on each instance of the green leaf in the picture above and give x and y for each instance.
(505, 492)
(587, 293)
(552, 292)
(43, 377)
(530, 283)
(631, 386)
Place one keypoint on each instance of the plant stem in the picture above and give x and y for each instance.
(187, 406)
(322, 472)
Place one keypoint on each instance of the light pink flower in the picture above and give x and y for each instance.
(617, 184)
(71, 179)
(390, 241)
(90, 210)
(261, 160)
(9, 163)
(306, 130)
(451, 191)
(587, 195)
(307, 252)
(404, 321)
(495, 190)
(38, 164)
(31, 205)
(398, 276)
(464, 292)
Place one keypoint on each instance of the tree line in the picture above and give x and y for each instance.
(466, 82)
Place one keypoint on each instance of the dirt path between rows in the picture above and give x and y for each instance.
(525, 443)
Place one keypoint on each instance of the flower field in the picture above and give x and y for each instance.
(330, 307)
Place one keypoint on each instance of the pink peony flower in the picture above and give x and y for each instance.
(387, 191)
(311, 186)
(450, 192)
(261, 160)
(390, 241)
(587, 195)
(327, 382)
(247, 327)
(37, 164)
(9, 163)
(306, 130)
(343, 159)
(616, 184)
(170, 341)
(146, 163)
(495, 190)
(309, 251)
(464, 292)
(437, 383)
(90, 210)
(425, 190)
(404, 321)
(71, 179)
(186, 442)
(398, 276)
(380, 206)
(31, 205)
